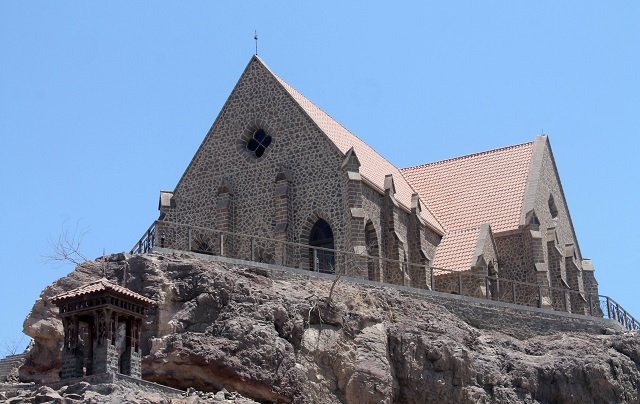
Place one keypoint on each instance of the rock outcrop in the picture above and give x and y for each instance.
(219, 326)
(117, 391)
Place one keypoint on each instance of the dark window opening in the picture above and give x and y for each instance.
(534, 220)
(321, 236)
(424, 261)
(552, 207)
(371, 241)
(259, 143)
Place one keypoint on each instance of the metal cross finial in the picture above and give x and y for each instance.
(255, 36)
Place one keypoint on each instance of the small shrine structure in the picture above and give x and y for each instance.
(102, 323)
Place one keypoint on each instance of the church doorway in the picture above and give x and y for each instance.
(321, 236)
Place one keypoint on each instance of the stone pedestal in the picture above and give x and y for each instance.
(71, 365)
(105, 359)
(131, 363)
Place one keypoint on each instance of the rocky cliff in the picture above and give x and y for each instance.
(287, 340)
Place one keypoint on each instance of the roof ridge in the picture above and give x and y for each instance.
(466, 156)
(293, 93)
(463, 230)
(424, 204)
(322, 110)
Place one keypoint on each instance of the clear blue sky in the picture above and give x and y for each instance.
(103, 104)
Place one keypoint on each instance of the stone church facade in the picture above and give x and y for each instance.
(276, 166)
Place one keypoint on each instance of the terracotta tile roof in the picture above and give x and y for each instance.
(455, 251)
(486, 187)
(373, 166)
(100, 285)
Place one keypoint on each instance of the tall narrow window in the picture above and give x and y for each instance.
(371, 241)
(322, 236)
(552, 208)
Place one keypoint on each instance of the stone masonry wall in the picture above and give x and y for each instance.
(524, 255)
(514, 263)
(549, 185)
(372, 204)
(520, 322)
(258, 102)
(302, 177)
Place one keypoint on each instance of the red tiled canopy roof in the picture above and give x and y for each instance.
(455, 251)
(101, 285)
(373, 166)
(487, 187)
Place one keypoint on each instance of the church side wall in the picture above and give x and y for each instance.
(515, 262)
(387, 221)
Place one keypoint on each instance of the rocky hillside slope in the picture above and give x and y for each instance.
(272, 340)
(117, 391)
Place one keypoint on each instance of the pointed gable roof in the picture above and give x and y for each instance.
(487, 187)
(373, 167)
(456, 250)
(461, 250)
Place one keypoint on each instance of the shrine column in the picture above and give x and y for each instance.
(71, 356)
(131, 358)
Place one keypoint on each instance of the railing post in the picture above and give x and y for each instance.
(253, 249)
(222, 244)
(432, 280)
(403, 272)
(460, 283)
(608, 308)
(316, 266)
(591, 305)
(486, 287)
(539, 296)
(189, 239)
(567, 308)
(284, 253)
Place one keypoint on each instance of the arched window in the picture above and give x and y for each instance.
(321, 236)
(373, 250)
(553, 210)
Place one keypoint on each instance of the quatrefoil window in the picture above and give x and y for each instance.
(258, 143)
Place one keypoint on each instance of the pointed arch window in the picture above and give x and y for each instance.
(553, 209)
(322, 236)
(371, 242)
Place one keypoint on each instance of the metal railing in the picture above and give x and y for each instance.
(146, 242)
(474, 283)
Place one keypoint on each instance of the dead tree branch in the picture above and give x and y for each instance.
(67, 247)
(353, 262)
(11, 347)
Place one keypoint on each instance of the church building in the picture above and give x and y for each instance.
(275, 165)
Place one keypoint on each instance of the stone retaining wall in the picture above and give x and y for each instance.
(517, 321)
